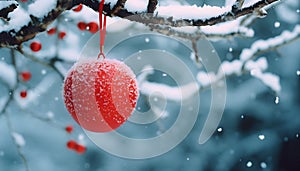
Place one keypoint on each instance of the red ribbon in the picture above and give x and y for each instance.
(102, 22)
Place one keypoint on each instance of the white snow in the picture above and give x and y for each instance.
(233, 67)
(174, 93)
(18, 138)
(171, 93)
(261, 64)
(261, 45)
(40, 8)
(249, 164)
(18, 18)
(190, 12)
(228, 27)
(229, 2)
(263, 165)
(261, 137)
(8, 74)
(276, 100)
(117, 24)
(205, 79)
(277, 24)
(85, 15)
(225, 28)
(186, 29)
(269, 79)
(111, 2)
(136, 6)
(6, 4)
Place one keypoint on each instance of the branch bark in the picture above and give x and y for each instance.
(9, 38)
(5, 11)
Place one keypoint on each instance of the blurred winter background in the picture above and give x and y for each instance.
(259, 130)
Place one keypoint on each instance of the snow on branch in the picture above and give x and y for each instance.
(246, 64)
(262, 46)
(20, 29)
(6, 8)
(8, 74)
(23, 25)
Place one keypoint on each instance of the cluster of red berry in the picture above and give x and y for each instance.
(92, 27)
(73, 145)
(24, 76)
(36, 46)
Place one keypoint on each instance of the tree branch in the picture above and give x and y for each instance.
(119, 5)
(151, 6)
(12, 37)
(5, 11)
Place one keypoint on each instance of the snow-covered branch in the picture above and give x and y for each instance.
(261, 46)
(245, 64)
(39, 15)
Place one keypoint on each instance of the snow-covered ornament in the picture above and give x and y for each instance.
(100, 94)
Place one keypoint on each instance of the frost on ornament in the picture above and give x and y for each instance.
(100, 94)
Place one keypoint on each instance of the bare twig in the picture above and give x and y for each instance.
(11, 132)
(8, 121)
(49, 64)
(169, 31)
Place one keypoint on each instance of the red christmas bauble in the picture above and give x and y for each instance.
(100, 94)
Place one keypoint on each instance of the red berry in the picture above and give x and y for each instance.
(71, 144)
(61, 35)
(100, 94)
(23, 93)
(78, 8)
(92, 27)
(25, 75)
(82, 25)
(35, 46)
(51, 31)
(80, 148)
(69, 128)
(24, 0)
